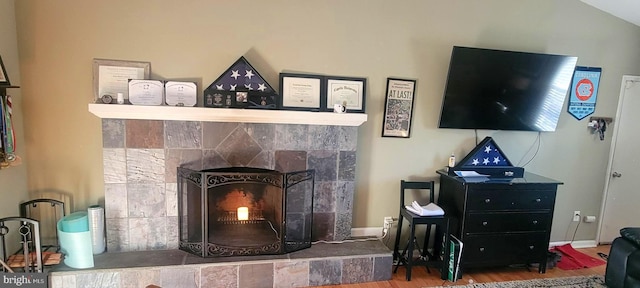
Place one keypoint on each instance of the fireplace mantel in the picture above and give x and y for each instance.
(114, 111)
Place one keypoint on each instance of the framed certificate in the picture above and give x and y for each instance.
(146, 92)
(179, 93)
(301, 92)
(347, 91)
(4, 78)
(111, 77)
(398, 108)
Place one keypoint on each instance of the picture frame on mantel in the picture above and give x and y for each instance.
(398, 108)
(347, 91)
(4, 77)
(301, 92)
(111, 77)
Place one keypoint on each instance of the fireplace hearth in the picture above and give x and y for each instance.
(244, 211)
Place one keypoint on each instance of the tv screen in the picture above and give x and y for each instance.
(505, 90)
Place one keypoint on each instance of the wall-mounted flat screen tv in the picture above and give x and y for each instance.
(505, 90)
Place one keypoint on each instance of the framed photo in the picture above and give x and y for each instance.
(301, 92)
(398, 108)
(347, 91)
(4, 78)
(111, 77)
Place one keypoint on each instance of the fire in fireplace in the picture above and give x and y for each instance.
(244, 211)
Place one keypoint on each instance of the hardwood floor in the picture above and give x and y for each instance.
(420, 278)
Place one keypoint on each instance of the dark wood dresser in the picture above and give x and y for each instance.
(500, 221)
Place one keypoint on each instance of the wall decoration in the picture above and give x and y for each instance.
(111, 77)
(398, 108)
(584, 90)
(348, 91)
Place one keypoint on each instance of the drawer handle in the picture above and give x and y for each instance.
(487, 200)
(481, 249)
(484, 223)
(538, 200)
(535, 221)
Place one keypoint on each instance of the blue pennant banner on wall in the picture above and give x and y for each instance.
(584, 91)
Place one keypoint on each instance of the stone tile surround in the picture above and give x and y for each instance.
(140, 159)
(322, 264)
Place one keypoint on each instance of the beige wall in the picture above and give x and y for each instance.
(369, 38)
(13, 180)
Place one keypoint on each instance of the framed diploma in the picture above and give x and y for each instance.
(4, 78)
(301, 92)
(398, 108)
(111, 77)
(347, 91)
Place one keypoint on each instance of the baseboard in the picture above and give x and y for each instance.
(576, 244)
(366, 231)
(377, 232)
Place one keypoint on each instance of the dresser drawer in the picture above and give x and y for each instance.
(507, 222)
(515, 199)
(505, 248)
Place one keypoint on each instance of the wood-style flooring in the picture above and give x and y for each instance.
(420, 278)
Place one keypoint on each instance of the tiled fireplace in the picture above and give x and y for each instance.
(141, 159)
(141, 191)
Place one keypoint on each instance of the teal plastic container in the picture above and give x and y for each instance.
(75, 222)
(75, 240)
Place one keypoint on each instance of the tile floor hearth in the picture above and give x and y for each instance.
(322, 264)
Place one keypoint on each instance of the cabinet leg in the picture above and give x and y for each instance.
(543, 267)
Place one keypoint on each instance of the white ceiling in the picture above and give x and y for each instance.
(628, 10)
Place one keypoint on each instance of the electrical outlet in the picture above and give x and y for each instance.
(386, 225)
(576, 216)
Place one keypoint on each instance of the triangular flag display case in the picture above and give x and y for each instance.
(240, 86)
(487, 158)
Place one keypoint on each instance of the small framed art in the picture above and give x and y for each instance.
(301, 92)
(4, 78)
(111, 77)
(347, 91)
(398, 108)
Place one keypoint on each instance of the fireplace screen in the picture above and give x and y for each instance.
(244, 211)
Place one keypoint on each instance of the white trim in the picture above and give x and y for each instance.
(576, 244)
(114, 111)
(366, 231)
(377, 232)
